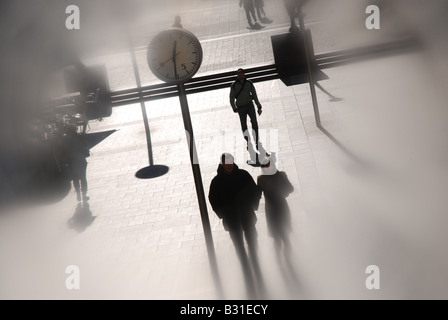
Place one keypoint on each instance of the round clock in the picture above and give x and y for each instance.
(174, 55)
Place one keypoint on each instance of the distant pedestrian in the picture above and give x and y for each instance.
(242, 95)
(251, 16)
(177, 22)
(234, 196)
(276, 187)
(259, 7)
(75, 160)
(294, 9)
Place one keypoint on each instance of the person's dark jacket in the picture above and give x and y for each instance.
(242, 94)
(234, 197)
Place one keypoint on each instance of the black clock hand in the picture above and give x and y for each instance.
(174, 60)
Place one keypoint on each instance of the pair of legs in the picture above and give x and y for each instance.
(250, 12)
(243, 112)
(259, 6)
(79, 179)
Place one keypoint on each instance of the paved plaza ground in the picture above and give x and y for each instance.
(143, 238)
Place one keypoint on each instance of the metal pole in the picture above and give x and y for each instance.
(199, 187)
(142, 103)
(309, 71)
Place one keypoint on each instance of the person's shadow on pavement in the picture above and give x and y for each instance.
(82, 218)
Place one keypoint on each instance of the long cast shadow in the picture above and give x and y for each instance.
(82, 218)
(39, 177)
(93, 139)
(294, 284)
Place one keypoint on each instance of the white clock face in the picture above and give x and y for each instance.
(174, 55)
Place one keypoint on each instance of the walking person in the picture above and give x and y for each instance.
(76, 154)
(177, 22)
(234, 197)
(242, 96)
(276, 187)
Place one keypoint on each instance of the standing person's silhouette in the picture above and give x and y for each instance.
(242, 95)
(234, 196)
(177, 22)
(76, 154)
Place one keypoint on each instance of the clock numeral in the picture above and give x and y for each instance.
(183, 66)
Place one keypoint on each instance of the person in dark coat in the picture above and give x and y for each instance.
(276, 186)
(234, 196)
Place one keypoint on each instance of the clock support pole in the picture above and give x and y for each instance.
(199, 187)
(142, 104)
